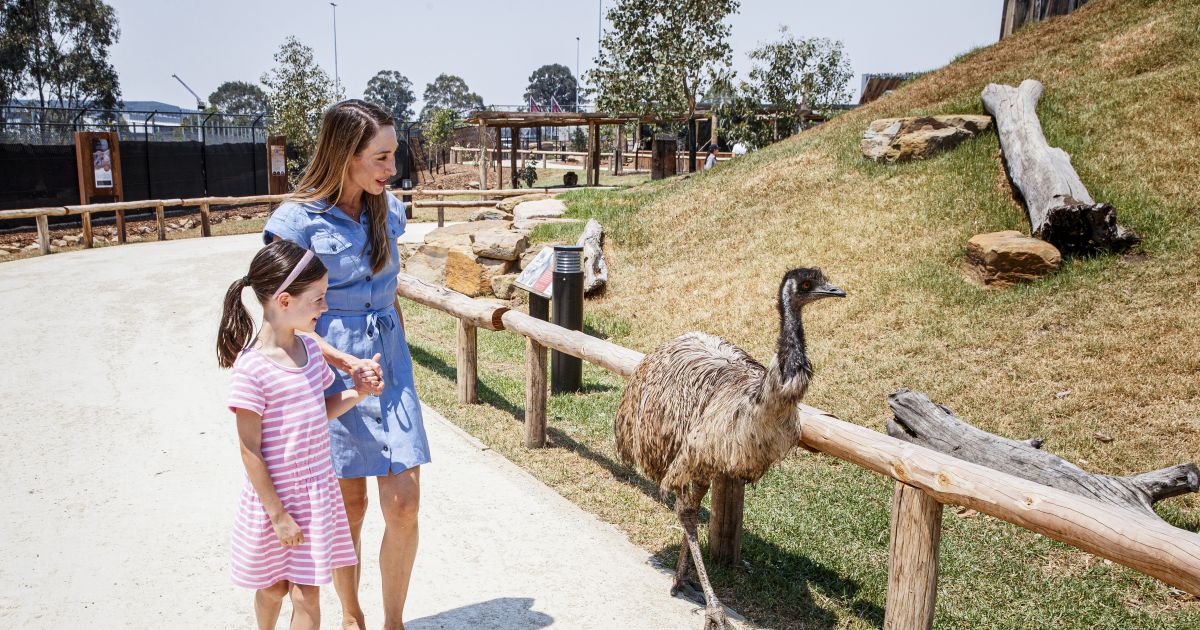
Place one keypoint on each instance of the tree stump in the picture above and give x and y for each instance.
(1060, 209)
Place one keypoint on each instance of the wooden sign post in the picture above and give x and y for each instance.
(277, 175)
(98, 168)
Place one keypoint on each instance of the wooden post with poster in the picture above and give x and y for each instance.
(277, 176)
(98, 168)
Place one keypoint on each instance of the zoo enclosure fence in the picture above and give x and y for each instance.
(926, 480)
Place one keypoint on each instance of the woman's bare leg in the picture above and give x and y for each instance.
(400, 500)
(345, 579)
(267, 602)
(306, 607)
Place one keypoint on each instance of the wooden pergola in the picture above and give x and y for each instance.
(592, 120)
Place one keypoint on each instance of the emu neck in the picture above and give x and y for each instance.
(793, 362)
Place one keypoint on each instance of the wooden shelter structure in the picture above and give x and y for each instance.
(487, 120)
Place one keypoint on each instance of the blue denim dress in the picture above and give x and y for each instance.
(385, 434)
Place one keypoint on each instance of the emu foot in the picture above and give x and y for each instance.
(689, 590)
(715, 619)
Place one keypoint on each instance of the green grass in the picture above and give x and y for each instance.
(706, 252)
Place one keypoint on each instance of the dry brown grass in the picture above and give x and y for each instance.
(1120, 334)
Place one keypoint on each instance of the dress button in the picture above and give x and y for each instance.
(385, 449)
(368, 305)
(379, 420)
(368, 278)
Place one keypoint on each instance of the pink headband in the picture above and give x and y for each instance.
(308, 254)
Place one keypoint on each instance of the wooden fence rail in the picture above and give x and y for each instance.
(925, 479)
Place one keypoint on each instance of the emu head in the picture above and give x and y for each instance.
(802, 286)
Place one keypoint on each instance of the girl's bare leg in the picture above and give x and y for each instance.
(306, 607)
(345, 579)
(400, 500)
(267, 602)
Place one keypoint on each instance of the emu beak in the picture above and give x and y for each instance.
(828, 290)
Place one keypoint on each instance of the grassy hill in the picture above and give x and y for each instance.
(1119, 333)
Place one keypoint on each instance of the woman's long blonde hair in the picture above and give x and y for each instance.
(346, 131)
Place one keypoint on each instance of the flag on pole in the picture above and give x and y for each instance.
(533, 106)
(554, 105)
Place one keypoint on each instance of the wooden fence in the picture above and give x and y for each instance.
(925, 479)
(203, 204)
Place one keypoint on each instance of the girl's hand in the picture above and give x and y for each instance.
(354, 364)
(287, 530)
(367, 380)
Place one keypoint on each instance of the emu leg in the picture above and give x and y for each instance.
(687, 508)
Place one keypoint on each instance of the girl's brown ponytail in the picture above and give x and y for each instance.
(236, 325)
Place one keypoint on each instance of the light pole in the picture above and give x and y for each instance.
(576, 75)
(337, 79)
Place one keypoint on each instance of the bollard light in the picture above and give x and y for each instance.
(566, 310)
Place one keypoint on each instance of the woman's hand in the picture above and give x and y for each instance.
(287, 530)
(368, 376)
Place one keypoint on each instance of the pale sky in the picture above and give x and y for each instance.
(494, 45)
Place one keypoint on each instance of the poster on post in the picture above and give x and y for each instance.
(278, 159)
(538, 276)
(102, 162)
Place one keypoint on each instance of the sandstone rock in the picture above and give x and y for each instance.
(543, 209)
(503, 245)
(428, 263)
(595, 270)
(407, 250)
(472, 275)
(502, 286)
(73, 239)
(902, 139)
(1000, 259)
(490, 214)
(30, 248)
(189, 224)
(459, 235)
(507, 205)
(58, 242)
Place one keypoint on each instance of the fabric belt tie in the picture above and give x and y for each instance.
(379, 322)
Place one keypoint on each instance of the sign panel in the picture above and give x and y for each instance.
(538, 276)
(278, 160)
(102, 162)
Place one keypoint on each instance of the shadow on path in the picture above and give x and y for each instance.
(502, 613)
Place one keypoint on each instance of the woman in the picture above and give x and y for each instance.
(343, 212)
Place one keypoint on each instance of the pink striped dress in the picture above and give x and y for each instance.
(295, 445)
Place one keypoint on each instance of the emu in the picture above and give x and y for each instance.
(699, 406)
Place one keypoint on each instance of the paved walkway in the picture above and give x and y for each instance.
(122, 469)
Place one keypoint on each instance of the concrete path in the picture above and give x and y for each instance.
(121, 472)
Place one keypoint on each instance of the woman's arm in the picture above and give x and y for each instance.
(338, 359)
(249, 427)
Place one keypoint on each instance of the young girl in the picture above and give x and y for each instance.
(291, 529)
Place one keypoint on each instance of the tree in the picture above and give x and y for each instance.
(659, 54)
(805, 73)
(437, 129)
(552, 81)
(298, 93)
(393, 92)
(57, 50)
(238, 97)
(449, 92)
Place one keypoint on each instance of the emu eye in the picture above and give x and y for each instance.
(806, 285)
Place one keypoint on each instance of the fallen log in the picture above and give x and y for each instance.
(1060, 209)
(920, 421)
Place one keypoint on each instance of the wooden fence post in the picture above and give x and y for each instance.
(205, 223)
(913, 559)
(161, 220)
(121, 237)
(43, 230)
(535, 394)
(467, 358)
(442, 212)
(725, 520)
(86, 219)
